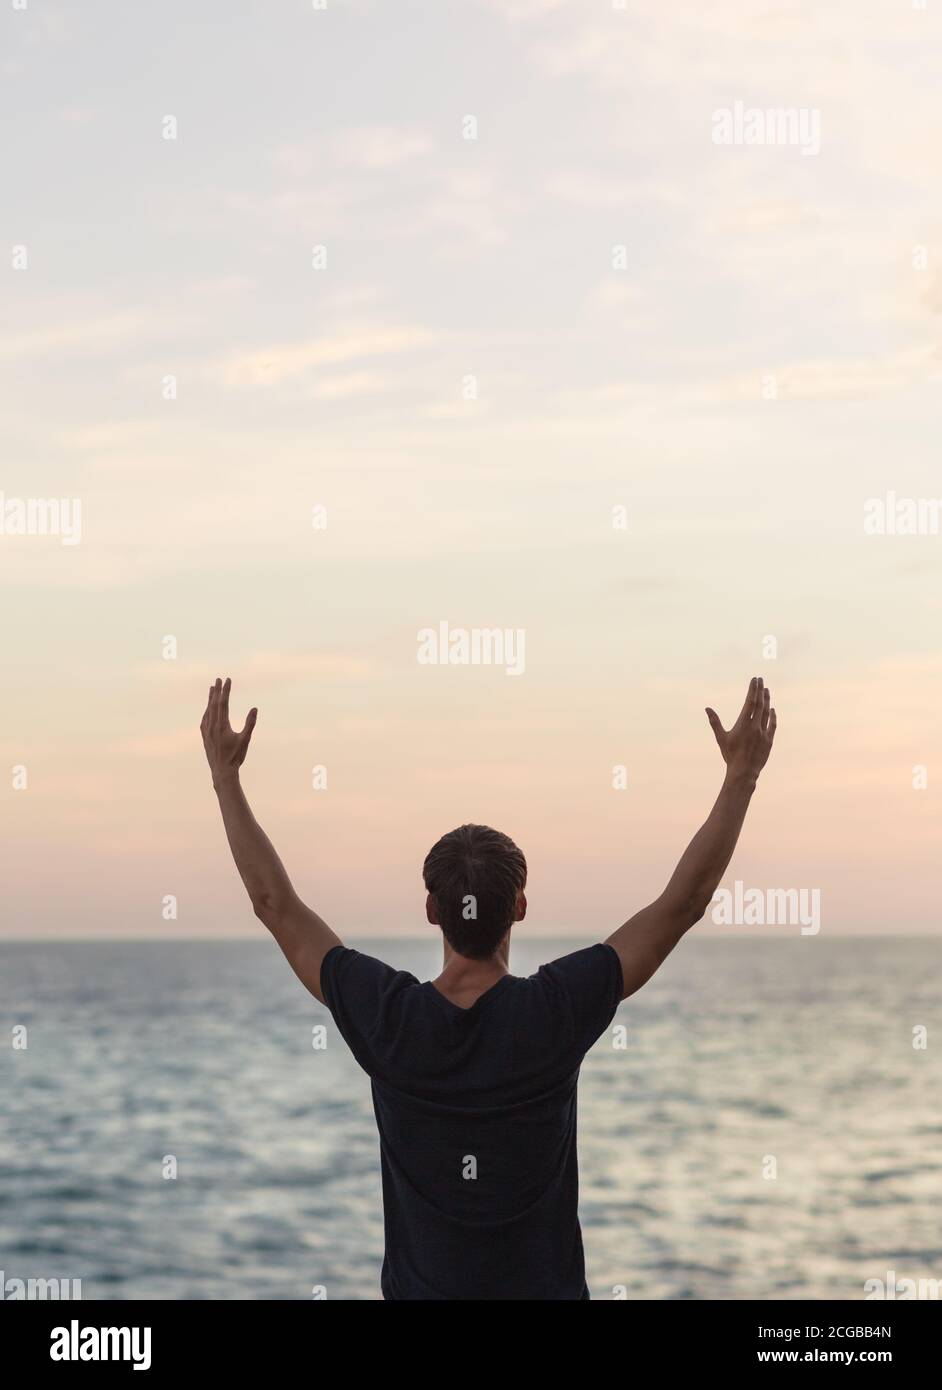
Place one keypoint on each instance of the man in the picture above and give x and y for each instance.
(474, 1074)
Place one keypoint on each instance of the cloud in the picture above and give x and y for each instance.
(93, 333)
(286, 361)
(380, 147)
(837, 379)
(267, 665)
(687, 58)
(619, 293)
(335, 665)
(833, 380)
(520, 11)
(338, 388)
(162, 745)
(473, 203)
(589, 188)
(373, 148)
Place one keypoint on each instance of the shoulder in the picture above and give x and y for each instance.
(584, 985)
(592, 965)
(354, 976)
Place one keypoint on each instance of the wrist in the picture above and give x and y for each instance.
(227, 777)
(741, 780)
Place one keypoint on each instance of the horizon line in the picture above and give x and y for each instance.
(717, 934)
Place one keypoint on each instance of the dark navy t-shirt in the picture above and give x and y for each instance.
(476, 1111)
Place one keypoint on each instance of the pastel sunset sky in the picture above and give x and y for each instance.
(588, 306)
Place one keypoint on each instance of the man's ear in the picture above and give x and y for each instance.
(521, 906)
(431, 911)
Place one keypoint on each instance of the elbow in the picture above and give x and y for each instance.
(693, 907)
(698, 906)
(267, 909)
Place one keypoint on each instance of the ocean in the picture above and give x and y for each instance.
(768, 1130)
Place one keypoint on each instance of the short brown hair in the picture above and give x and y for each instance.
(484, 866)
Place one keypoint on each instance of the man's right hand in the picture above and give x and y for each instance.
(747, 745)
(646, 939)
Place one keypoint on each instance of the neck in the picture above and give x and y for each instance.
(461, 974)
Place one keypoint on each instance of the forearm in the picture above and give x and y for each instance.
(704, 861)
(648, 937)
(304, 937)
(265, 878)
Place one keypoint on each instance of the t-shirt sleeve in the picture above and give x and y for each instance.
(361, 994)
(588, 985)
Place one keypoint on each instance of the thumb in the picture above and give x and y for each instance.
(250, 719)
(715, 724)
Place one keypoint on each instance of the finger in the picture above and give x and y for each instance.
(757, 700)
(224, 700)
(772, 725)
(246, 733)
(764, 713)
(715, 725)
(214, 711)
(748, 703)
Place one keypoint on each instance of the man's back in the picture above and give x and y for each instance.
(476, 1110)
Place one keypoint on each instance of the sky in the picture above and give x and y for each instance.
(475, 288)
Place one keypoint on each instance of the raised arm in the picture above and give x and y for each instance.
(303, 937)
(648, 938)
